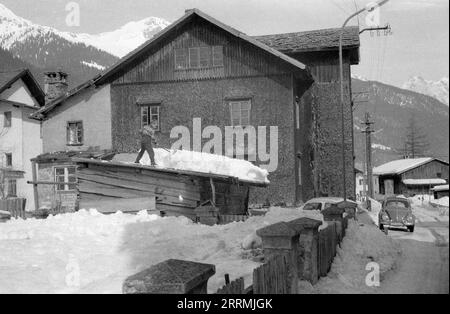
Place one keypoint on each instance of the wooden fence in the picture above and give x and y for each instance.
(272, 277)
(15, 206)
(234, 287)
(328, 241)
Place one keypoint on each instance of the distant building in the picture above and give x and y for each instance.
(411, 176)
(361, 191)
(20, 136)
(440, 191)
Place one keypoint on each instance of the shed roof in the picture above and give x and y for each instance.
(315, 40)
(427, 182)
(397, 167)
(440, 188)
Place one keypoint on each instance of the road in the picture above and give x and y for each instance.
(424, 266)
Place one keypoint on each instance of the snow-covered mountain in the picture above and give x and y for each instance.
(438, 90)
(81, 55)
(123, 40)
(391, 109)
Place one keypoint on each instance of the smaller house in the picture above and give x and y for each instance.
(20, 137)
(440, 191)
(410, 177)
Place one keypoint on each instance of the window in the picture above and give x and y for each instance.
(67, 177)
(75, 133)
(180, 59)
(240, 112)
(312, 206)
(198, 57)
(194, 57)
(361, 182)
(150, 113)
(8, 119)
(12, 188)
(439, 175)
(204, 57)
(9, 161)
(217, 56)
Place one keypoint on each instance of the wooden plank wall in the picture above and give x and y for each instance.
(271, 278)
(97, 183)
(241, 59)
(328, 241)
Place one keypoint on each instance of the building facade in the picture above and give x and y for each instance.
(201, 68)
(20, 136)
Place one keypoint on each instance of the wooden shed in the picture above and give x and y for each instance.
(110, 186)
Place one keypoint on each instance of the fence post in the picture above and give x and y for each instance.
(281, 239)
(171, 277)
(308, 251)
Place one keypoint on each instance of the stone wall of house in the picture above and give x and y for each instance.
(272, 105)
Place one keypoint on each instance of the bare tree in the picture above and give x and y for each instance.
(416, 143)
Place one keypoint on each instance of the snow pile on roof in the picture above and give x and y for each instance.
(424, 181)
(87, 252)
(400, 166)
(440, 188)
(202, 162)
(363, 244)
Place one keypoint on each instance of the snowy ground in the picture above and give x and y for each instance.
(87, 252)
(364, 243)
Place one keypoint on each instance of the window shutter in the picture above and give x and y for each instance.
(217, 56)
(80, 133)
(68, 133)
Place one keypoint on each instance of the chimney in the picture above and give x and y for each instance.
(55, 84)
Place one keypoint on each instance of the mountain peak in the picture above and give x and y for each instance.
(7, 13)
(437, 89)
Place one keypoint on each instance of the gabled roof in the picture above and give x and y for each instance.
(398, 167)
(191, 14)
(316, 40)
(7, 79)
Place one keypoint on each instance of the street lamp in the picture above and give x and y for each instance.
(371, 7)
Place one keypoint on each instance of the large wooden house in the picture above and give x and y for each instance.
(199, 67)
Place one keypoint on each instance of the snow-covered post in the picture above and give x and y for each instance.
(335, 214)
(308, 250)
(281, 239)
(171, 277)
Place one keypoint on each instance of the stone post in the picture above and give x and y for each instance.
(281, 239)
(308, 260)
(335, 214)
(171, 277)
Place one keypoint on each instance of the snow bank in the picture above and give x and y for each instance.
(441, 202)
(87, 252)
(201, 162)
(363, 244)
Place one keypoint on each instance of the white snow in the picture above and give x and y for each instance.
(441, 202)
(399, 166)
(381, 147)
(87, 252)
(119, 42)
(94, 65)
(440, 188)
(437, 89)
(201, 162)
(363, 244)
(424, 181)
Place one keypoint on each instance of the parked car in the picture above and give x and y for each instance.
(396, 212)
(322, 203)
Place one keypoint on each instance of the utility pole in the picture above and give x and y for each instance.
(368, 131)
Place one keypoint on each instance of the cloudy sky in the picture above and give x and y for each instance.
(419, 44)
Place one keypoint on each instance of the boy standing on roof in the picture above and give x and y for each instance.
(147, 140)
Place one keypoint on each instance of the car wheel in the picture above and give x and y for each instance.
(411, 229)
(381, 227)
